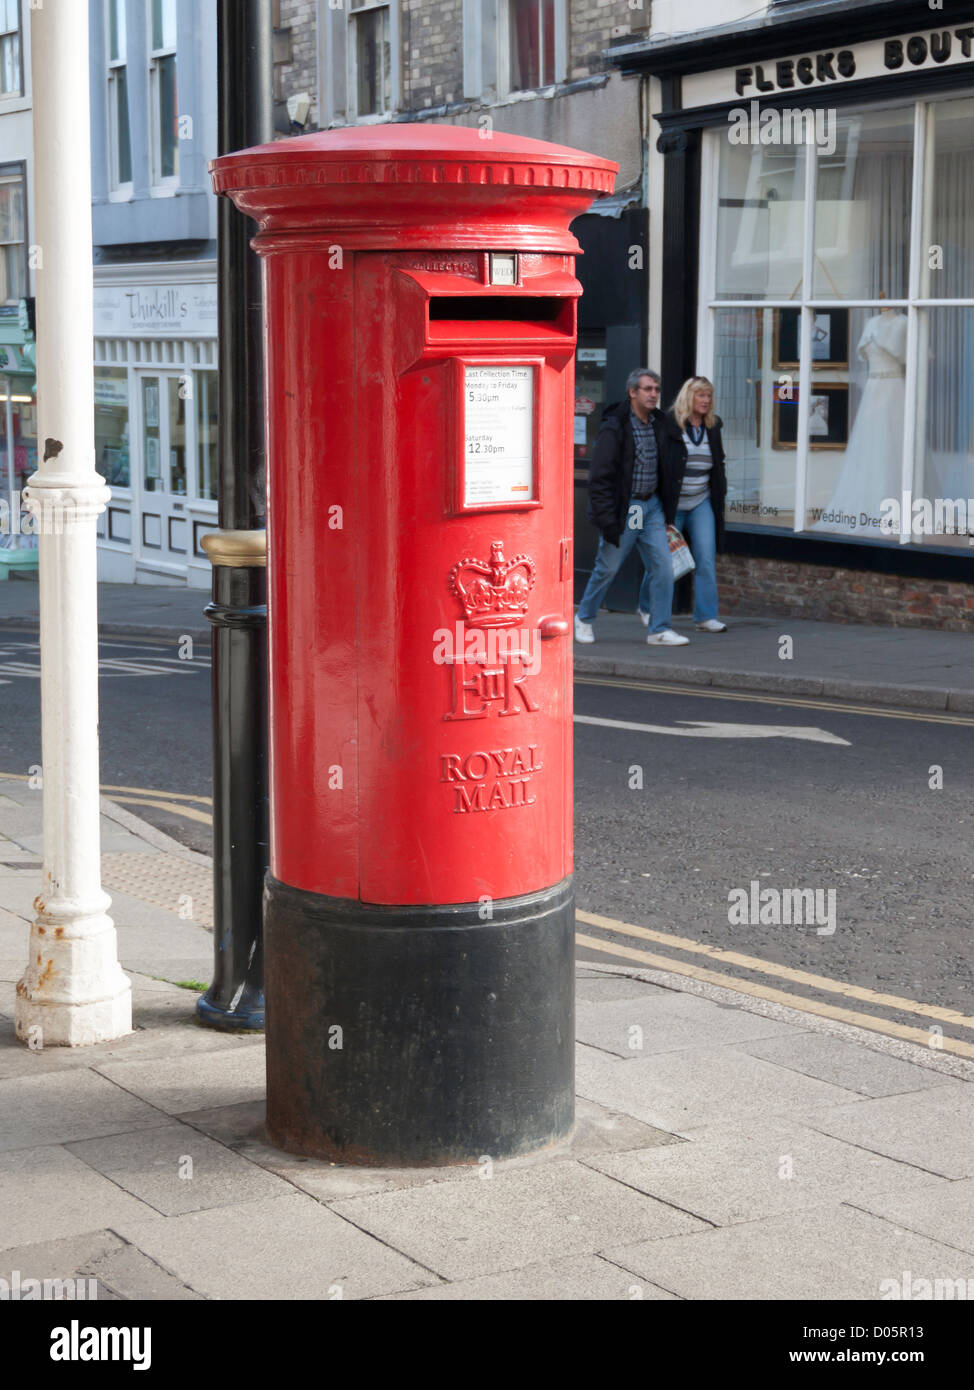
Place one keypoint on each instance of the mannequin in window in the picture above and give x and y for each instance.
(873, 465)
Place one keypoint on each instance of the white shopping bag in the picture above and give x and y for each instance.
(679, 553)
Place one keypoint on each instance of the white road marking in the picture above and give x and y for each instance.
(19, 668)
(706, 729)
(115, 666)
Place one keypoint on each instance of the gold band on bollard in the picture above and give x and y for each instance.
(239, 549)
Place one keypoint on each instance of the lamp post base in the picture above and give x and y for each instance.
(246, 1012)
(73, 992)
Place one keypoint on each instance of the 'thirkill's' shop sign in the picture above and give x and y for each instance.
(816, 69)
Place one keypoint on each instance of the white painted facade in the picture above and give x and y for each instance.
(155, 402)
(155, 293)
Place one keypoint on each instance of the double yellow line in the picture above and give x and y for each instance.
(795, 701)
(653, 961)
(173, 803)
(177, 803)
(187, 805)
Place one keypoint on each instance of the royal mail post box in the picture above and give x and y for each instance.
(420, 312)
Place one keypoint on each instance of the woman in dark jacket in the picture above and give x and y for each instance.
(692, 427)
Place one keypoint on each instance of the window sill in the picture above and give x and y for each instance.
(375, 118)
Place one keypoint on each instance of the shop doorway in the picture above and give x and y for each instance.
(164, 538)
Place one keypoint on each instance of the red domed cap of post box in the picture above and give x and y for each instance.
(416, 186)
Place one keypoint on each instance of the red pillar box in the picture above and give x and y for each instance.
(420, 336)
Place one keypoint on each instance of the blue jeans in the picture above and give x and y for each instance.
(699, 531)
(645, 529)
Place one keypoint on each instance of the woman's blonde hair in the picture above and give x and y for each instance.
(683, 404)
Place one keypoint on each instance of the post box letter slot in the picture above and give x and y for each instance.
(476, 308)
(491, 317)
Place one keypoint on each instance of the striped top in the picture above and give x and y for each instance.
(696, 479)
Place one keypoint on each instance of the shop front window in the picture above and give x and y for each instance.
(856, 420)
(862, 208)
(843, 377)
(944, 476)
(112, 425)
(948, 271)
(760, 221)
(761, 485)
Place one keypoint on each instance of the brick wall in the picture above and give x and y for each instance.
(781, 588)
(296, 25)
(432, 53)
(431, 32)
(591, 23)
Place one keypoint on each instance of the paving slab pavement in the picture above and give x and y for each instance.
(826, 1252)
(921, 668)
(159, 610)
(739, 1150)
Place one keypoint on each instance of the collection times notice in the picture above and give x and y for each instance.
(499, 435)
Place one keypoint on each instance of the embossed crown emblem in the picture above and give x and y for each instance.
(494, 592)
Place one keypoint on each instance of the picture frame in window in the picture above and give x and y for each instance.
(830, 339)
(828, 426)
(758, 399)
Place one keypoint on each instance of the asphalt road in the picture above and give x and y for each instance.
(674, 823)
(716, 814)
(154, 720)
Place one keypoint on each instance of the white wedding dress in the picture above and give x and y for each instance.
(873, 465)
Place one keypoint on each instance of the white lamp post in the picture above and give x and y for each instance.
(73, 990)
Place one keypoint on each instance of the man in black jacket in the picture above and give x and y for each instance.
(634, 488)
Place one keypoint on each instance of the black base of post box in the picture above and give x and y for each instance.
(414, 1036)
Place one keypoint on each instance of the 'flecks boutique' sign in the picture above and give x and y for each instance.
(148, 310)
(833, 67)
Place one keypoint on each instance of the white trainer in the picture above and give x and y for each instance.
(583, 631)
(712, 625)
(644, 618)
(667, 638)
